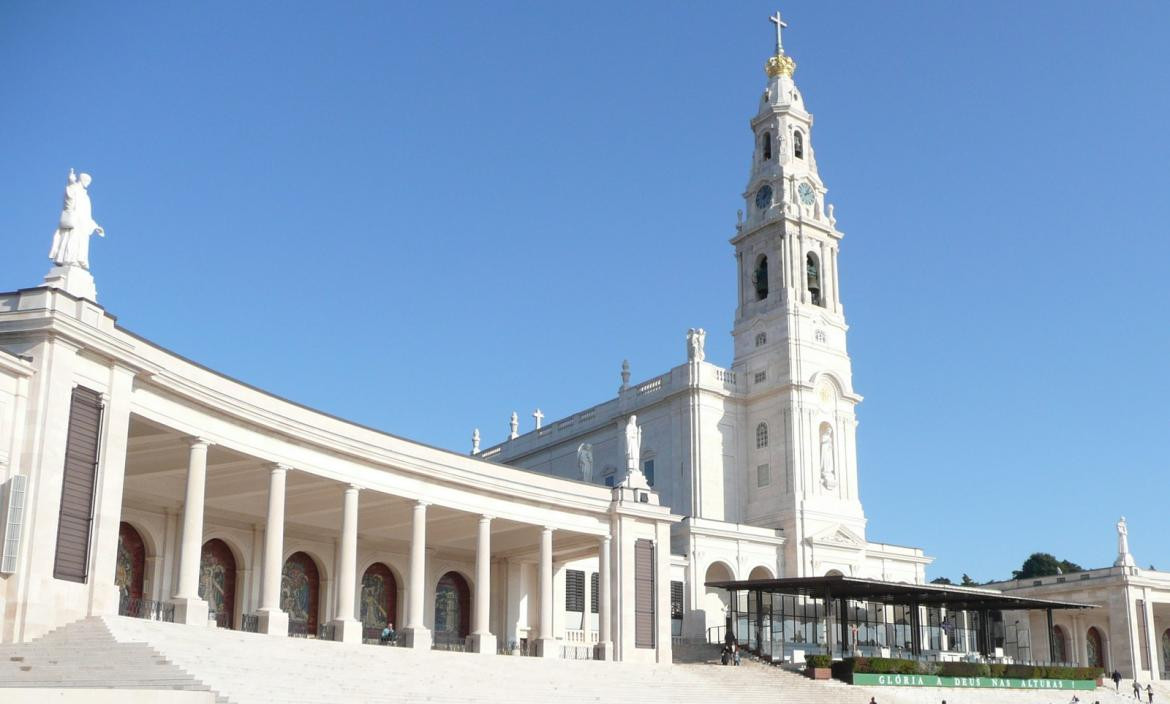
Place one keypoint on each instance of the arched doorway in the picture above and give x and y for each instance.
(300, 585)
(761, 572)
(1059, 645)
(452, 608)
(130, 570)
(1095, 648)
(717, 602)
(379, 600)
(217, 581)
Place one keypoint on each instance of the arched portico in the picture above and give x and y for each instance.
(378, 605)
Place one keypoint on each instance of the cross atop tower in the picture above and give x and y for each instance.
(780, 26)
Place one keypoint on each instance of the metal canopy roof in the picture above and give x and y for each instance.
(841, 587)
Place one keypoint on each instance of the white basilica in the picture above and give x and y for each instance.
(137, 482)
(760, 458)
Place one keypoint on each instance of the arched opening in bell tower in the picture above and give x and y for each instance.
(798, 144)
(760, 278)
(766, 146)
(813, 275)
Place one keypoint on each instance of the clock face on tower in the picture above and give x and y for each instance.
(806, 194)
(763, 196)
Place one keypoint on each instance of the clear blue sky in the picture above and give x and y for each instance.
(423, 216)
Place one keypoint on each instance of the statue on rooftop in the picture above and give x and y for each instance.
(696, 341)
(1124, 559)
(71, 240)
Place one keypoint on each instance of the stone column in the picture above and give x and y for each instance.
(1151, 636)
(836, 283)
(481, 639)
(189, 608)
(604, 607)
(107, 505)
(272, 619)
(416, 635)
(347, 628)
(546, 643)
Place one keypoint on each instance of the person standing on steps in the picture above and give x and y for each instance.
(1117, 681)
(1137, 690)
(1150, 693)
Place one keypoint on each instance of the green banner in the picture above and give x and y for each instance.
(865, 678)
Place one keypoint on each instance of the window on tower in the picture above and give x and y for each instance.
(760, 278)
(761, 339)
(761, 435)
(798, 144)
(766, 146)
(813, 273)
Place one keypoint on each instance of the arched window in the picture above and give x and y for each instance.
(798, 144)
(762, 435)
(300, 587)
(760, 278)
(1060, 646)
(1094, 648)
(813, 272)
(130, 570)
(452, 608)
(379, 600)
(761, 339)
(766, 146)
(217, 581)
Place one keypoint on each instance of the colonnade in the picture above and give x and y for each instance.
(272, 619)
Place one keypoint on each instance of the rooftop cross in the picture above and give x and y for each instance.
(780, 26)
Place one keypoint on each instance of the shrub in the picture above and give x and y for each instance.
(818, 661)
(964, 669)
(1023, 671)
(996, 669)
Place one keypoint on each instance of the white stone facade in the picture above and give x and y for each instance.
(1128, 632)
(760, 456)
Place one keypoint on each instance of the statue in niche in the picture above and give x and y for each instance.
(585, 461)
(828, 465)
(71, 240)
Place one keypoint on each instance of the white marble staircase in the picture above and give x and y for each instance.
(246, 668)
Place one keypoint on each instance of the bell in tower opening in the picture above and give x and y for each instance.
(760, 278)
(813, 269)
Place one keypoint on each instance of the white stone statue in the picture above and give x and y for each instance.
(71, 240)
(633, 444)
(828, 463)
(514, 426)
(585, 461)
(475, 441)
(1124, 559)
(696, 341)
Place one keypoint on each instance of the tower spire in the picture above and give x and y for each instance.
(779, 64)
(780, 26)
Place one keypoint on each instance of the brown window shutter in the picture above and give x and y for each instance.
(71, 561)
(644, 594)
(574, 590)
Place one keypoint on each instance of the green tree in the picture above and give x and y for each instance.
(967, 581)
(1043, 564)
(941, 580)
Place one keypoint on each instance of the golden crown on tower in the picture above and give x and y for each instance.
(780, 65)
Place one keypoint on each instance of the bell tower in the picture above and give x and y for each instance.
(790, 336)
